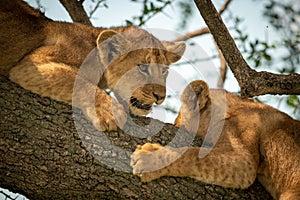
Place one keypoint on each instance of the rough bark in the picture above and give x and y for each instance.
(45, 156)
(252, 83)
(76, 11)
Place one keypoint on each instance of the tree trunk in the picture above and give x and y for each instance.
(49, 151)
(76, 11)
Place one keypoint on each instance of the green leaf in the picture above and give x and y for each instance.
(146, 10)
(129, 23)
(152, 7)
(267, 57)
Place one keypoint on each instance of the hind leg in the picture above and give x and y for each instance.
(280, 168)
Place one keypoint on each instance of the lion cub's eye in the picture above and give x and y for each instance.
(165, 71)
(144, 68)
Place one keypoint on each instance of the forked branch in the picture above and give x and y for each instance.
(252, 83)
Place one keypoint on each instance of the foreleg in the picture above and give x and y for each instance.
(57, 80)
(228, 164)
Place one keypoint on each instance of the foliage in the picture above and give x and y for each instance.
(186, 12)
(149, 9)
(95, 5)
(294, 102)
(284, 16)
(258, 51)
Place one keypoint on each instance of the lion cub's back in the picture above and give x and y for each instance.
(21, 32)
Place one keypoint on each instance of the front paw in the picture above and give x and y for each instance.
(110, 115)
(107, 114)
(151, 161)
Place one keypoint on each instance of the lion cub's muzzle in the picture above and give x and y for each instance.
(146, 106)
(142, 99)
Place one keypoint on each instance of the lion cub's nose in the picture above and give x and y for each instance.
(159, 98)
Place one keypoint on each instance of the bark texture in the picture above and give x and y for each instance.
(45, 156)
(252, 83)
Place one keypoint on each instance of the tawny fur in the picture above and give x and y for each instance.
(255, 140)
(45, 57)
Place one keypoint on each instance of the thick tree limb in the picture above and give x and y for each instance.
(76, 11)
(252, 83)
(43, 155)
(203, 30)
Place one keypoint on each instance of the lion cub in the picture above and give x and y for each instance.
(75, 63)
(243, 140)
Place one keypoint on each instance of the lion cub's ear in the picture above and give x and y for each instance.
(111, 45)
(195, 93)
(175, 50)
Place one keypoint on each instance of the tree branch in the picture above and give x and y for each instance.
(192, 34)
(224, 7)
(223, 68)
(96, 7)
(203, 30)
(45, 156)
(76, 11)
(252, 83)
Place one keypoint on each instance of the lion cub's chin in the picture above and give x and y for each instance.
(138, 107)
(138, 111)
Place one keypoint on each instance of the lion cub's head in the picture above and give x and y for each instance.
(136, 66)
